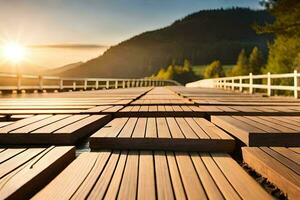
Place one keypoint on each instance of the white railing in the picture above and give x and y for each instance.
(14, 82)
(248, 82)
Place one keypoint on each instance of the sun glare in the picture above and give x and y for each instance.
(13, 52)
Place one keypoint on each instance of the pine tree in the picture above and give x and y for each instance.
(187, 66)
(214, 70)
(286, 28)
(242, 65)
(256, 61)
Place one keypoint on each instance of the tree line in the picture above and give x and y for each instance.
(283, 51)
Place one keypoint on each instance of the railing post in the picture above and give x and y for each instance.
(116, 84)
(41, 83)
(85, 85)
(61, 84)
(107, 84)
(123, 84)
(19, 80)
(241, 84)
(296, 84)
(269, 83)
(96, 85)
(232, 84)
(74, 85)
(250, 83)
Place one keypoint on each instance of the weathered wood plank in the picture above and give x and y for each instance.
(280, 170)
(30, 170)
(174, 134)
(260, 130)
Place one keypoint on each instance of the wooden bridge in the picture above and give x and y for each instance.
(169, 142)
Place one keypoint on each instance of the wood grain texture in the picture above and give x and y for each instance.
(174, 134)
(153, 175)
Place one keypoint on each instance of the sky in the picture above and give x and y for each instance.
(94, 24)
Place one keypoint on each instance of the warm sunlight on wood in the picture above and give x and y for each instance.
(14, 52)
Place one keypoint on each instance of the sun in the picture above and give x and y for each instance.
(14, 52)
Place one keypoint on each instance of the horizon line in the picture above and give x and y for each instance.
(74, 45)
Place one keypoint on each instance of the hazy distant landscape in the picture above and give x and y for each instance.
(199, 37)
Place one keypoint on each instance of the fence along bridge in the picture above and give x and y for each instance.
(145, 141)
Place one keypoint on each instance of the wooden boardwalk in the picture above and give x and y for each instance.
(148, 143)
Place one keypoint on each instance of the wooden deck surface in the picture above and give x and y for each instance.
(147, 143)
(153, 175)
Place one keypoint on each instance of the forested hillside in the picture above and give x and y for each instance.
(200, 38)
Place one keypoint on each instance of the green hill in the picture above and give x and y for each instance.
(200, 37)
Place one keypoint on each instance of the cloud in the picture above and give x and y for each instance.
(72, 46)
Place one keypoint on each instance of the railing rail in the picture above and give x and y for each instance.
(247, 82)
(20, 82)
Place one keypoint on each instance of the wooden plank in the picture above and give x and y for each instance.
(151, 130)
(26, 178)
(207, 181)
(221, 181)
(163, 181)
(58, 129)
(31, 127)
(282, 159)
(174, 128)
(140, 128)
(112, 128)
(104, 166)
(259, 131)
(239, 178)
(178, 188)
(129, 183)
(268, 165)
(22, 123)
(162, 128)
(128, 128)
(190, 180)
(2, 124)
(146, 176)
(288, 153)
(72, 176)
(162, 134)
(10, 153)
(59, 124)
(114, 186)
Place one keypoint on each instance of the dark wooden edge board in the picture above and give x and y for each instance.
(160, 114)
(163, 144)
(225, 113)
